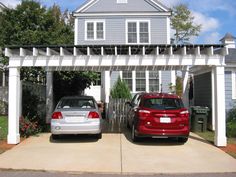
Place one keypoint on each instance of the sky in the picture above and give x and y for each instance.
(217, 17)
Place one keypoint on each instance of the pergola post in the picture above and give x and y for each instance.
(105, 90)
(185, 76)
(14, 106)
(220, 117)
(49, 96)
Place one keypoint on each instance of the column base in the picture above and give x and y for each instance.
(13, 139)
(220, 141)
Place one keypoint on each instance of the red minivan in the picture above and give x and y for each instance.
(158, 115)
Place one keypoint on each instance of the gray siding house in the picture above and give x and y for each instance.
(203, 82)
(126, 22)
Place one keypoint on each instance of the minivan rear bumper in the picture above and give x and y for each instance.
(143, 131)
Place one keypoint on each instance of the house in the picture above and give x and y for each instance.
(203, 92)
(126, 22)
(2, 6)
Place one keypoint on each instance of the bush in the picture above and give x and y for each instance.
(231, 123)
(120, 90)
(28, 128)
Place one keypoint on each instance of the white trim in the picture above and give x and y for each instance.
(86, 6)
(168, 30)
(138, 21)
(233, 75)
(159, 5)
(95, 29)
(76, 33)
(122, 14)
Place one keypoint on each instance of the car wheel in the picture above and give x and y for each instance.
(133, 135)
(55, 137)
(99, 136)
(182, 139)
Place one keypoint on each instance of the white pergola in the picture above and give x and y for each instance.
(105, 58)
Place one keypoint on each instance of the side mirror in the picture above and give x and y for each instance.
(128, 103)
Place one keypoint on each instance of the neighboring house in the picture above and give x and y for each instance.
(126, 22)
(203, 93)
(2, 6)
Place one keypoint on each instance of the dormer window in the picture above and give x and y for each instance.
(121, 1)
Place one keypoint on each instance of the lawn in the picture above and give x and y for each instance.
(231, 146)
(3, 127)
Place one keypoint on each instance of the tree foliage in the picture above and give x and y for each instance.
(72, 83)
(182, 21)
(120, 90)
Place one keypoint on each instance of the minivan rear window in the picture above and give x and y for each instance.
(76, 103)
(163, 103)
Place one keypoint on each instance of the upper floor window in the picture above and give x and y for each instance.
(138, 32)
(121, 1)
(94, 30)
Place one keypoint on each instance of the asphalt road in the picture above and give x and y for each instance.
(54, 174)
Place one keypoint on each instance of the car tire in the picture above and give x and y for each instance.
(55, 137)
(99, 136)
(183, 139)
(133, 135)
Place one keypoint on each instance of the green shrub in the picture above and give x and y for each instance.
(28, 127)
(120, 90)
(231, 123)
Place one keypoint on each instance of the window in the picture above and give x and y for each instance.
(138, 32)
(140, 81)
(127, 77)
(95, 30)
(121, 1)
(154, 81)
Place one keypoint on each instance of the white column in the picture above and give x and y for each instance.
(185, 75)
(134, 81)
(14, 106)
(173, 78)
(106, 84)
(213, 99)
(49, 96)
(147, 81)
(220, 117)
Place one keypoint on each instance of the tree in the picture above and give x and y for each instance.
(120, 90)
(182, 21)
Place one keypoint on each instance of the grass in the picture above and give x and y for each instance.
(3, 127)
(209, 136)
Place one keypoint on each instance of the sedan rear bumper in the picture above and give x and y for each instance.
(88, 128)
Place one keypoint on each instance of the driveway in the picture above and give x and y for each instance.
(115, 153)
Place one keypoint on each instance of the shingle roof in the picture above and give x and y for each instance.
(231, 58)
(228, 36)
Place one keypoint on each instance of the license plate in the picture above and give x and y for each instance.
(165, 120)
(74, 119)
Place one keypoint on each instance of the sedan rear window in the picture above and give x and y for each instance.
(76, 103)
(163, 103)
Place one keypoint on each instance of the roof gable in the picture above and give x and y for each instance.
(111, 6)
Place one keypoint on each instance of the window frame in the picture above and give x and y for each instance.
(95, 23)
(138, 30)
(233, 75)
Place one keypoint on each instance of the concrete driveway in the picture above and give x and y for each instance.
(115, 153)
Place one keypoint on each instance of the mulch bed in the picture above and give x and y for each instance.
(230, 148)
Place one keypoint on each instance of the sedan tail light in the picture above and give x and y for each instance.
(143, 114)
(93, 115)
(57, 115)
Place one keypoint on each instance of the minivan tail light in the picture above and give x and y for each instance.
(143, 114)
(184, 113)
(93, 115)
(57, 115)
